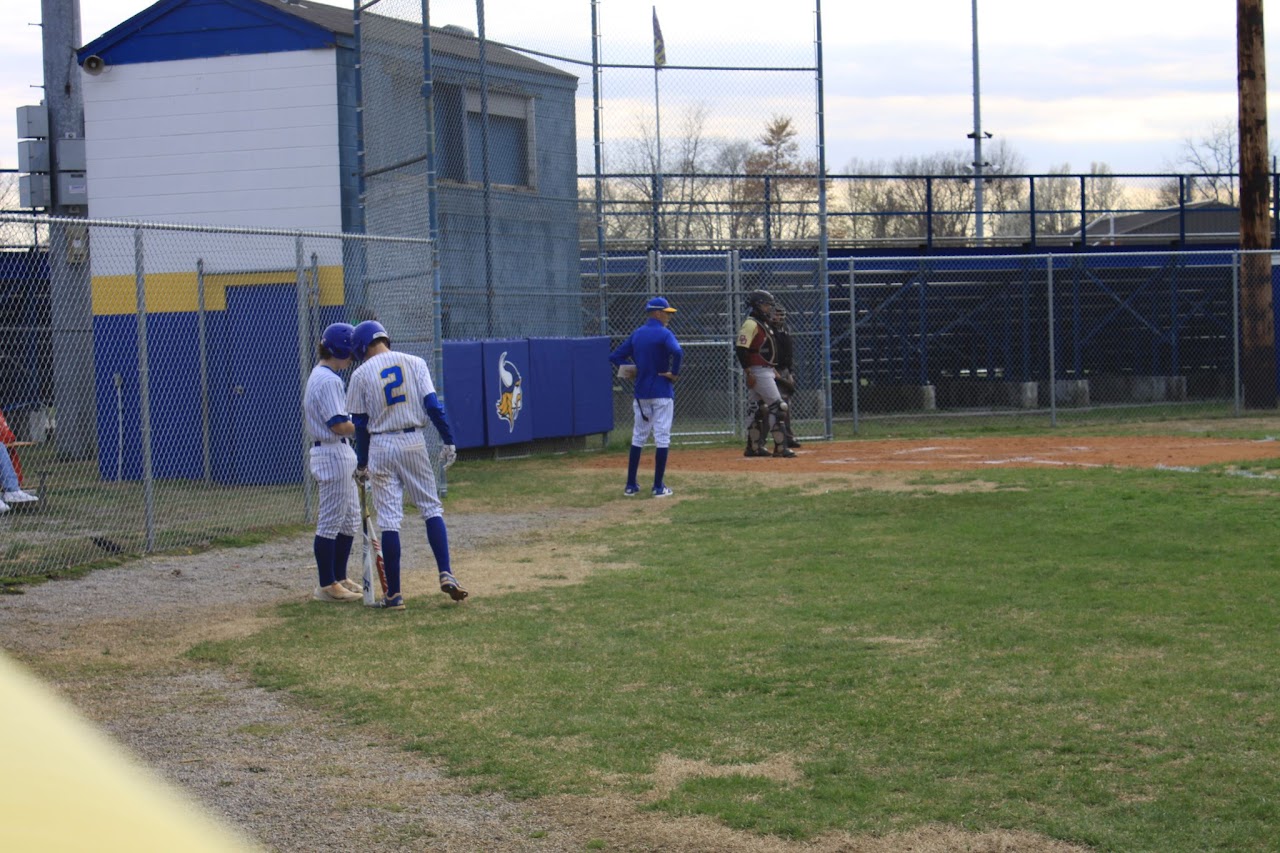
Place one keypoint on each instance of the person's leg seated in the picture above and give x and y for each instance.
(13, 493)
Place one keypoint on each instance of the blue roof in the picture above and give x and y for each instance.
(195, 29)
(199, 29)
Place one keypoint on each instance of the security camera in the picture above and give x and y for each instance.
(94, 64)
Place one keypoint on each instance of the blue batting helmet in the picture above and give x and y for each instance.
(339, 340)
(365, 334)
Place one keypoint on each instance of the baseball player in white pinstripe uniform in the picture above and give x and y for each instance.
(390, 398)
(333, 463)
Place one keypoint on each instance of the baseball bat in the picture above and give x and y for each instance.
(372, 548)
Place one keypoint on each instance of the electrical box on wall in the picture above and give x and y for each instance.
(33, 122)
(70, 155)
(33, 190)
(33, 155)
(72, 189)
(77, 243)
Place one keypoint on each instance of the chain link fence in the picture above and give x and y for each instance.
(921, 342)
(155, 383)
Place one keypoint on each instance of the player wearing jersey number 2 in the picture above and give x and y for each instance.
(332, 462)
(390, 398)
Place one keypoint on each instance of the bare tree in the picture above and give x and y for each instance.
(1059, 205)
(1212, 161)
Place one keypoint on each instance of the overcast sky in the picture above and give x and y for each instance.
(1117, 81)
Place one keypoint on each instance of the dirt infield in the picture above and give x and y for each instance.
(941, 454)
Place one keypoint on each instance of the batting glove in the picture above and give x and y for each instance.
(448, 455)
(362, 475)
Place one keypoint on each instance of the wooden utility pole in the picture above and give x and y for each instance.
(1258, 348)
(70, 300)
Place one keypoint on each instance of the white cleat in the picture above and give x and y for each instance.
(334, 592)
(4, 507)
(19, 497)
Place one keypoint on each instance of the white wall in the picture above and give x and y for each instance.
(237, 140)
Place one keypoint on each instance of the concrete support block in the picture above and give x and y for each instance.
(1118, 388)
(985, 393)
(898, 398)
(1073, 393)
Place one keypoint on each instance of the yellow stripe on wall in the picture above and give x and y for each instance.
(178, 292)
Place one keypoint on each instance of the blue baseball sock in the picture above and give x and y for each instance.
(324, 550)
(633, 466)
(438, 539)
(391, 560)
(342, 553)
(659, 467)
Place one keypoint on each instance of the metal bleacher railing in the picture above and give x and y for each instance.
(914, 212)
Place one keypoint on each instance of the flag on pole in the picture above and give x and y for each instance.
(659, 47)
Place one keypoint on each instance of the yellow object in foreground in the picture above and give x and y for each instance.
(64, 786)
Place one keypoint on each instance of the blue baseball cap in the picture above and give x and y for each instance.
(657, 303)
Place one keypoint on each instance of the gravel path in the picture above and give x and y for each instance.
(281, 772)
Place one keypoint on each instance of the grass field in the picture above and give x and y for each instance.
(1090, 655)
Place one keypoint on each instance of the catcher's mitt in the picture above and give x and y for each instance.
(627, 371)
(785, 383)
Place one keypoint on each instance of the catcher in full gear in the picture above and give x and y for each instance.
(784, 364)
(756, 349)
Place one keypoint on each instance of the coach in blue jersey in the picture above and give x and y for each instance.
(656, 355)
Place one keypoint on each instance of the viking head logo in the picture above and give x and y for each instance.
(512, 399)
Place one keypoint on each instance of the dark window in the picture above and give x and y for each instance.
(508, 150)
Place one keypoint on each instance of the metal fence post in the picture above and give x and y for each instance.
(304, 365)
(828, 413)
(202, 332)
(737, 393)
(1053, 346)
(1235, 333)
(853, 347)
(144, 393)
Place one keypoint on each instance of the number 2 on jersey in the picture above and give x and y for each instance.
(394, 379)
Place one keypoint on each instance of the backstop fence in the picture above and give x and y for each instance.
(152, 374)
(916, 340)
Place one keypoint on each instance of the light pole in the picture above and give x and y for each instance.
(977, 136)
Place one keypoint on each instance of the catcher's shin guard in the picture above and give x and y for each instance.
(757, 427)
(777, 416)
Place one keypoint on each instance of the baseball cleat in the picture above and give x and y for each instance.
(351, 586)
(4, 507)
(784, 452)
(450, 587)
(751, 451)
(631, 491)
(662, 492)
(334, 592)
(19, 497)
(791, 442)
(391, 602)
